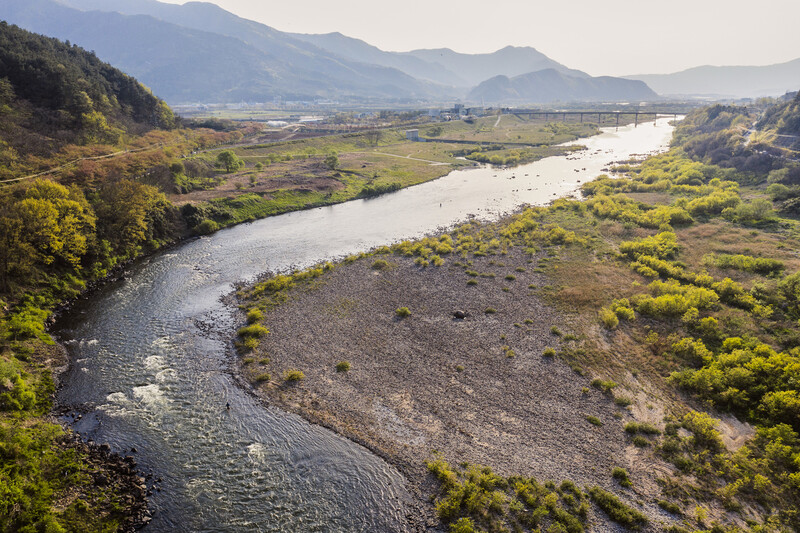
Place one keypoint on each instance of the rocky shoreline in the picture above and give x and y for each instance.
(111, 470)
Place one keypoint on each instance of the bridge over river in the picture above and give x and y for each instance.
(602, 115)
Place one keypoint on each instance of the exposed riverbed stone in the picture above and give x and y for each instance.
(476, 390)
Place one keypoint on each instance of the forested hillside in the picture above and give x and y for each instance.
(783, 120)
(77, 140)
(53, 93)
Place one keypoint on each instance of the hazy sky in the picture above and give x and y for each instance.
(611, 37)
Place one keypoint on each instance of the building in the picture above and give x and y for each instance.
(413, 135)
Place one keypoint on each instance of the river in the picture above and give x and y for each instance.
(152, 363)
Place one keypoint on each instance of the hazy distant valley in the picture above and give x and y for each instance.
(198, 52)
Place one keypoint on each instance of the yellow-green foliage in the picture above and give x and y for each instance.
(608, 318)
(651, 267)
(692, 351)
(671, 299)
(294, 375)
(275, 290)
(747, 263)
(734, 294)
(617, 510)
(749, 377)
(622, 308)
(253, 330)
(622, 208)
(254, 315)
(15, 391)
(766, 470)
(714, 203)
(473, 498)
(663, 245)
(753, 213)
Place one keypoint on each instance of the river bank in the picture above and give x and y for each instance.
(482, 389)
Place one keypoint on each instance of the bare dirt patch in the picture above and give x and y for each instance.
(476, 389)
(295, 175)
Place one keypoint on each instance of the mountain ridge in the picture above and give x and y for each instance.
(549, 85)
(742, 81)
(199, 52)
(198, 65)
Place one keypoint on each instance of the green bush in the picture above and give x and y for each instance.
(758, 265)
(342, 366)
(608, 318)
(622, 401)
(294, 375)
(17, 397)
(251, 343)
(381, 264)
(474, 499)
(604, 385)
(616, 510)
(594, 420)
(253, 330)
(662, 245)
(27, 323)
(402, 312)
(704, 430)
(254, 315)
(670, 507)
(369, 191)
(205, 227)
(621, 475)
(549, 352)
(757, 212)
(622, 308)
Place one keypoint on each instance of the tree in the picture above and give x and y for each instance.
(331, 160)
(373, 137)
(132, 214)
(229, 160)
(177, 168)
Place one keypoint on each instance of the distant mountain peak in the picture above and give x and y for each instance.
(551, 85)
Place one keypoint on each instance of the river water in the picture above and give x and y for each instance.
(152, 359)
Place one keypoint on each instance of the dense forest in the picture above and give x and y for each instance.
(53, 93)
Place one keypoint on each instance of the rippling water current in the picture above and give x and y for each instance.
(152, 359)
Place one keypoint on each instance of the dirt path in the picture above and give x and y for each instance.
(75, 161)
(433, 163)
